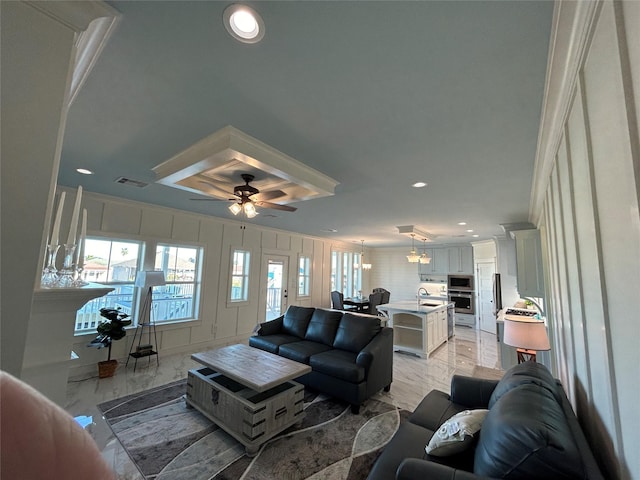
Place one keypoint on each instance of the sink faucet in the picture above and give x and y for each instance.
(421, 290)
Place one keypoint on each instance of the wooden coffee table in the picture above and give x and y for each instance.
(247, 392)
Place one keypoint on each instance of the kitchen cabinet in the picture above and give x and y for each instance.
(530, 276)
(439, 264)
(466, 320)
(461, 259)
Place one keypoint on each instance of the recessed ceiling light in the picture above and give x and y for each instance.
(475, 235)
(84, 171)
(243, 23)
(419, 184)
(462, 223)
(470, 230)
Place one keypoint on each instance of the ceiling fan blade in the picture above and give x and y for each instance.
(218, 190)
(276, 206)
(270, 195)
(214, 199)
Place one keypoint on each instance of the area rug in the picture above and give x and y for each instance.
(167, 440)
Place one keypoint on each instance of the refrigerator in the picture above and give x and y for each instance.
(497, 294)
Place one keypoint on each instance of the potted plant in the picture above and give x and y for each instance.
(109, 330)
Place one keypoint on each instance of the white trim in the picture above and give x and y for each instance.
(89, 46)
(573, 24)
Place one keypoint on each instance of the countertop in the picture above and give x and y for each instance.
(411, 306)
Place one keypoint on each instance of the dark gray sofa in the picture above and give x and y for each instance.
(350, 354)
(530, 432)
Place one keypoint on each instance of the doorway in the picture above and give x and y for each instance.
(486, 317)
(273, 290)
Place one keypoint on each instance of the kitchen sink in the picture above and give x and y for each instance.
(430, 304)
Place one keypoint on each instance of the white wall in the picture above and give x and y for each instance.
(585, 202)
(37, 60)
(217, 323)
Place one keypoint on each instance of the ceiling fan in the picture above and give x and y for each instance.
(248, 197)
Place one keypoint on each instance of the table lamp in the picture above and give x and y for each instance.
(528, 336)
(147, 280)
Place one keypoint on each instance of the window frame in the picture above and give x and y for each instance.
(246, 275)
(196, 282)
(304, 277)
(345, 276)
(105, 301)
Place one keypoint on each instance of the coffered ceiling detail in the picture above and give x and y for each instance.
(214, 165)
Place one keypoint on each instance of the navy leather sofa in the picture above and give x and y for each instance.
(530, 432)
(350, 354)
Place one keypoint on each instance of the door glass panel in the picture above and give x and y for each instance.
(274, 289)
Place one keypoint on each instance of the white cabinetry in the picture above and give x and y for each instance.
(418, 330)
(439, 264)
(461, 259)
(529, 263)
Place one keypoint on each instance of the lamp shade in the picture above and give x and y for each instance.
(526, 334)
(149, 278)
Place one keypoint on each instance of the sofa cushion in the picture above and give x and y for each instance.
(356, 331)
(434, 410)
(271, 343)
(323, 325)
(456, 434)
(301, 351)
(522, 374)
(296, 320)
(526, 435)
(339, 364)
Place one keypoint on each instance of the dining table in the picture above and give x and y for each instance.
(361, 303)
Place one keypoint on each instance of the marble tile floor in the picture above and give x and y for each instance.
(413, 378)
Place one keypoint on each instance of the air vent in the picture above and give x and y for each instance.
(133, 183)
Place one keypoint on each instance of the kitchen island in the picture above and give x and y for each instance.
(418, 328)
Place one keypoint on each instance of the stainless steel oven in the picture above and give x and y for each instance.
(464, 301)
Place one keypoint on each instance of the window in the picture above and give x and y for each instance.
(345, 276)
(304, 276)
(240, 276)
(177, 299)
(114, 263)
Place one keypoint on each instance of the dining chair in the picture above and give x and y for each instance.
(375, 299)
(386, 294)
(337, 300)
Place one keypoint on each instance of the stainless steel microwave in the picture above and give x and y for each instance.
(460, 283)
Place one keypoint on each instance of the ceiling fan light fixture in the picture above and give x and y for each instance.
(243, 23)
(235, 208)
(250, 210)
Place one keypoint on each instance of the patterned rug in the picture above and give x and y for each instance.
(167, 440)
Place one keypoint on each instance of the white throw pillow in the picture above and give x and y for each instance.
(456, 434)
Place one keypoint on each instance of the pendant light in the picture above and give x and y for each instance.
(413, 257)
(424, 258)
(365, 266)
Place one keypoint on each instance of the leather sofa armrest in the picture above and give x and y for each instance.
(270, 328)
(472, 392)
(376, 349)
(418, 469)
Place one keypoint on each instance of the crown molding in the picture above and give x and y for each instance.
(572, 28)
(93, 22)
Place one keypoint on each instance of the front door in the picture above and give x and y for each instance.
(485, 296)
(273, 290)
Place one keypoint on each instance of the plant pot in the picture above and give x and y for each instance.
(107, 368)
